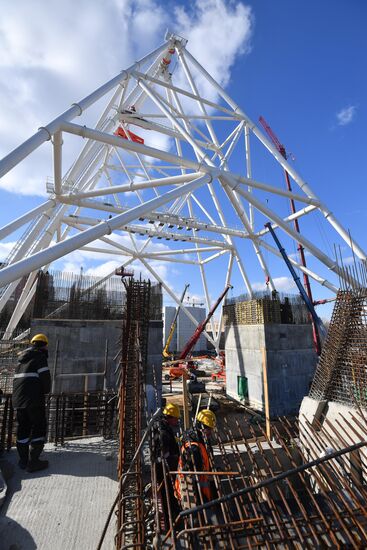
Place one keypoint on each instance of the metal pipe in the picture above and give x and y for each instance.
(57, 150)
(45, 133)
(274, 479)
(11, 227)
(101, 191)
(17, 270)
(282, 161)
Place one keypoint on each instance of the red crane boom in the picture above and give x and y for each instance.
(273, 137)
(199, 329)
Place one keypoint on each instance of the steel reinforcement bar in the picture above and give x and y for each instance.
(130, 532)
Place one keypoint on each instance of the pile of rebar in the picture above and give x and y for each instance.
(275, 494)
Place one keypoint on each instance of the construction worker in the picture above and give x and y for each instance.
(32, 381)
(169, 423)
(194, 456)
(169, 453)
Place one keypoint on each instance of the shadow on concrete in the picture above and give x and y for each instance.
(80, 458)
(238, 347)
(13, 481)
(14, 537)
(94, 459)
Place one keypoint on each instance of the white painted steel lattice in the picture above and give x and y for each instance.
(158, 165)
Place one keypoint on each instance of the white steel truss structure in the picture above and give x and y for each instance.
(181, 190)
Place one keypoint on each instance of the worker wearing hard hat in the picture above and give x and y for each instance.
(168, 452)
(206, 422)
(194, 456)
(169, 423)
(32, 381)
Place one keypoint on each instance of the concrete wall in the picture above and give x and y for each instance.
(291, 362)
(184, 329)
(82, 348)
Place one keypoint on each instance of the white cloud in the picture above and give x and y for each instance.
(346, 115)
(5, 249)
(54, 54)
(282, 284)
(217, 32)
(295, 255)
(103, 269)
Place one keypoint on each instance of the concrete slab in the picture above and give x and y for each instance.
(65, 506)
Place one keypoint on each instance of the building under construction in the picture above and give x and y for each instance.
(286, 459)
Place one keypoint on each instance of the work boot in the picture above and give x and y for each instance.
(34, 463)
(23, 450)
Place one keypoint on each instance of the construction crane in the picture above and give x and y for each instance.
(199, 329)
(306, 280)
(177, 372)
(166, 352)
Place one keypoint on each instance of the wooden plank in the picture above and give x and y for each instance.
(266, 393)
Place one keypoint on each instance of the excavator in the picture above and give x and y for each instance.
(184, 365)
(166, 352)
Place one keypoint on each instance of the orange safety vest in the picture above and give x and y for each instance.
(203, 479)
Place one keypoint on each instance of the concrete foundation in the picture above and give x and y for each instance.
(85, 346)
(290, 365)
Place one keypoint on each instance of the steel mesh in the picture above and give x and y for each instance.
(341, 372)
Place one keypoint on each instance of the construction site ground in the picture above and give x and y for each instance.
(224, 407)
(65, 506)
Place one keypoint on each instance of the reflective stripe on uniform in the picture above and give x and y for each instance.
(26, 440)
(37, 439)
(43, 370)
(27, 375)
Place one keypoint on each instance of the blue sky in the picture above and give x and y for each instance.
(299, 64)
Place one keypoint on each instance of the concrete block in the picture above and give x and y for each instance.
(291, 337)
(291, 361)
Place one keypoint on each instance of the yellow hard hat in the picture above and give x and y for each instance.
(171, 410)
(207, 418)
(40, 338)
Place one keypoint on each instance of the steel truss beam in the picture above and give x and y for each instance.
(182, 186)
